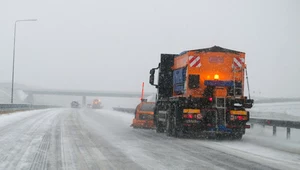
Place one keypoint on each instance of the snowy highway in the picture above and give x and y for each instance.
(103, 139)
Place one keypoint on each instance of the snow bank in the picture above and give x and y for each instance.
(10, 118)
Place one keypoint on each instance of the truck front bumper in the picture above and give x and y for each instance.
(147, 124)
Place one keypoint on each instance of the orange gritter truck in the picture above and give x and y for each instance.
(201, 92)
(97, 104)
(143, 116)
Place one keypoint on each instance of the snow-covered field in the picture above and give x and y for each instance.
(280, 111)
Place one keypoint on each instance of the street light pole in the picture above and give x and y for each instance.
(14, 52)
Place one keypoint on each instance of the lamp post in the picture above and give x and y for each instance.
(14, 52)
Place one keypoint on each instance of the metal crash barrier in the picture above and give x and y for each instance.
(276, 123)
(7, 108)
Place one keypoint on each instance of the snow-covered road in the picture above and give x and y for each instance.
(103, 139)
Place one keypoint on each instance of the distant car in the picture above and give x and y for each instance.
(144, 115)
(75, 104)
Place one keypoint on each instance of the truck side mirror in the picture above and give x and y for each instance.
(152, 71)
(151, 78)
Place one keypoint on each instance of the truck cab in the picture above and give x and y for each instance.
(143, 116)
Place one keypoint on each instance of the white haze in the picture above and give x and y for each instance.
(111, 45)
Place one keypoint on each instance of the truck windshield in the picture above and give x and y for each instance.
(148, 107)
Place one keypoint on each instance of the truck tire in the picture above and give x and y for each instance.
(170, 126)
(237, 136)
(178, 128)
(159, 128)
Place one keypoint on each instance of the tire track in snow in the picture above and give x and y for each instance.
(40, 158)
(83, 150)
(91, 151)
(48, 154)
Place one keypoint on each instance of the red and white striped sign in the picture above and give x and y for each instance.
(238, 62)
(194, 61)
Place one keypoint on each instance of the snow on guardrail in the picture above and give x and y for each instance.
(6, 108)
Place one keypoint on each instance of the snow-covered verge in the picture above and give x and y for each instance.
(261, 144)
(266, 150)
(10, 118)
(264, 136)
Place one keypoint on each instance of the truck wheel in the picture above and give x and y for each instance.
(178, 128)
(237, 136)
(169, 127)
(176, 133)
(219, 137)
(159, 128)
(171, 131)
(172, 126)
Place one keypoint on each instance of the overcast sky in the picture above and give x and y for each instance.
(111, 45)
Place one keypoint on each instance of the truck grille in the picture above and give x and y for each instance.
(145, 117)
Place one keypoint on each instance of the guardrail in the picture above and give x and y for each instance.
(264, 122)
(6, 108)
(276, 123)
